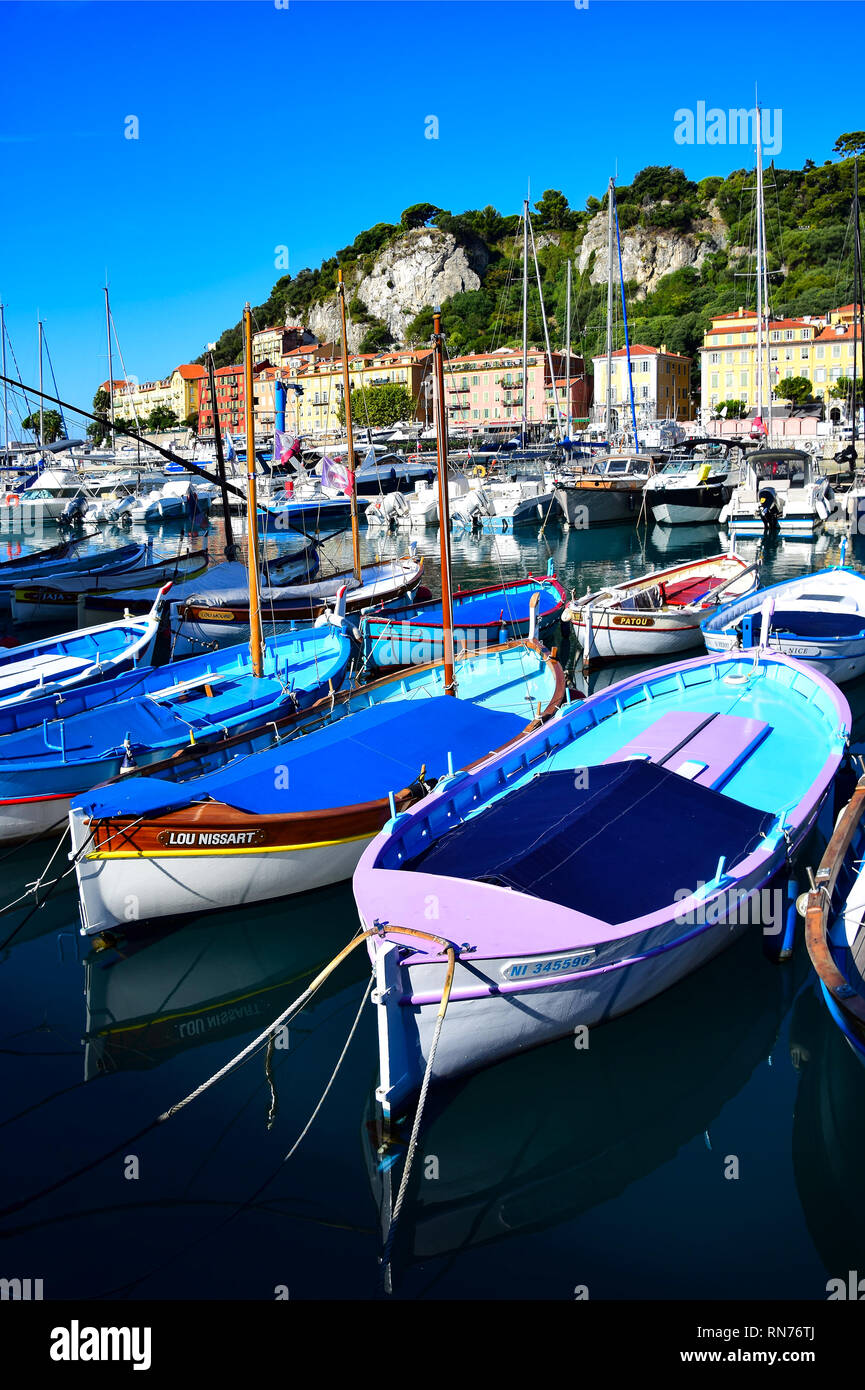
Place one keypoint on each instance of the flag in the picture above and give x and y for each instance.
(758, 427)
(285, 447)
(228, 448)
(335, 473)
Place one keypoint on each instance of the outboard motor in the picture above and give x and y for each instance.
(768, 510)
(73, 512)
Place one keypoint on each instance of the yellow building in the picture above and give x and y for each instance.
(178, 392)
(809, 347)
(662, 384)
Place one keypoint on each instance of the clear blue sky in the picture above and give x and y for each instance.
(261, 127)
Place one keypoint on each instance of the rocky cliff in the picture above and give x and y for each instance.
(421, 268)
(650, 253)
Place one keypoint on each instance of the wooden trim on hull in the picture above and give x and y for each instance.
(848, 1002)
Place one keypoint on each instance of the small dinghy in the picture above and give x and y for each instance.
(202, 700)
(58, 602)
(818, 618)
(291, 807)
(410, 635)
(78, 658)
(594, 863)
(835, 923)
(657, 613)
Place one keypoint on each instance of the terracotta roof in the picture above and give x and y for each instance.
(118, 385)
(641, 350)
(840, 333)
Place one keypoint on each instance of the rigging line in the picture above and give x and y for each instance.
(27, 401)
(125, 377)
(54, 380)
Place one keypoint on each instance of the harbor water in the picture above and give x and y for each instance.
(691, 1151)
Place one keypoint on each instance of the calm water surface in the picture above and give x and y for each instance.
(603, 1168)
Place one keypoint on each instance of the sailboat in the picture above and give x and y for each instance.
(290, 808)
(556, 906)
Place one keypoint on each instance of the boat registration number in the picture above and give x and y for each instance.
(625, 620)
(546, 965)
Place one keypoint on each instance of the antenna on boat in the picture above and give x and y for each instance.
(444, 500)
(251, 501)
(346, 395)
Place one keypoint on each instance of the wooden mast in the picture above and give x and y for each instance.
(444, 501)
(255, 643)
(346, 393)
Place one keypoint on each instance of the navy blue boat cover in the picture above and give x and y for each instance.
(618, 848)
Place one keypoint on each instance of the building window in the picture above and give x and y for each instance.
(728, 356)
(743, 378)
(788, 335)
(714, 358)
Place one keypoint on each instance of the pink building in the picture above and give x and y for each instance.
(485, 389)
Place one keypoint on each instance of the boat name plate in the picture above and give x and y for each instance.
(210, 839)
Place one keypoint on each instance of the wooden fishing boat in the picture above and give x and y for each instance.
(58, 602)
(200, 701)
(818, 618)
(199, 623)
(835, 923)
(74, 659)
(595, 863)
(223, 587)
(291, 807)
(658, 613)
(40, 571)
(407, 635)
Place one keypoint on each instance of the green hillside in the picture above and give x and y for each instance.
(809, 236)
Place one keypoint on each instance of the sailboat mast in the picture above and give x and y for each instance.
(524, 432)
(444, 500)
(857, 293)
(110, 370)
(41, 409)
(609, 402)
(568, 356)
(760, 275)
(346, 395)
(5, 384)
(255, 643)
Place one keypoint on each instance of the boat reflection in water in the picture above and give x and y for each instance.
(150, 997)
(829, 1141)
(549, 1134)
